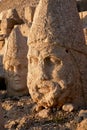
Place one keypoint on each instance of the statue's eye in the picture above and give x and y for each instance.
(11, 68)
(55, 60)
(33, 60)
(48, 61)
(52, 61)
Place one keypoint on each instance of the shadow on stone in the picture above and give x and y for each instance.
(2, 84)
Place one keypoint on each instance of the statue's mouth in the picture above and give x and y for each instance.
(48, 87)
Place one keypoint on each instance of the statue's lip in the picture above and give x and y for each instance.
(49, 85)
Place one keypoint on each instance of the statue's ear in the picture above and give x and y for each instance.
(81, 5)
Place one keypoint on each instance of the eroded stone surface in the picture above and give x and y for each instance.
(68, 107)
(29, 14)
(15, 62)
(8, 19)
(44, 113)
(57, 72)
(10, 14)
(83, 114)
(1, 119)
(82, 125)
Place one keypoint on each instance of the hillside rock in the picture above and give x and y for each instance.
(29, 14)
(8, 19)
(19, 5)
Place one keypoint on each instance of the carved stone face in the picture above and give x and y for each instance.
(15, 63)
(52, 74)
(16, 73)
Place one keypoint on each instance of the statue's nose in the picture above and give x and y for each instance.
(43, 76)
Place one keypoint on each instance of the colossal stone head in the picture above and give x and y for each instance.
(52, 75)
(15, 63)
(55, 36)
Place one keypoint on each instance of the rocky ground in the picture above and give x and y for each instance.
(19, 114)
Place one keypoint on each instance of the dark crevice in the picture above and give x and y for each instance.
(2, 84)
(67, 51)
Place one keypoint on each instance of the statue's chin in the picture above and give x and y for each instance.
(18, 87)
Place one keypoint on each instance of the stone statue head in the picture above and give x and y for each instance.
(52, 76)
(55, 36)
(15, 63)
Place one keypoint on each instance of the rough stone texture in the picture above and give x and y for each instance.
(10, 14)
(1, 119)
(15, 62)
(82, 5)
(18, 4)
(29, 14)
(57, 67)
(43, 113)
(1, 44)
(68, 107)
(24, 28)
(2, 41)
(6, 26)
(9, 18)
(82, 125)
(0, 25)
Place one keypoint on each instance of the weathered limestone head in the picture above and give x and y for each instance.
(55, 35)
(15, 63)
(8, 19)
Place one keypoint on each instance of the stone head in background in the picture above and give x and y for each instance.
(57, 72)
(15, 63)
(8, 19)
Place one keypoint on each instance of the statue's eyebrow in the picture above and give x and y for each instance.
(33, 56)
